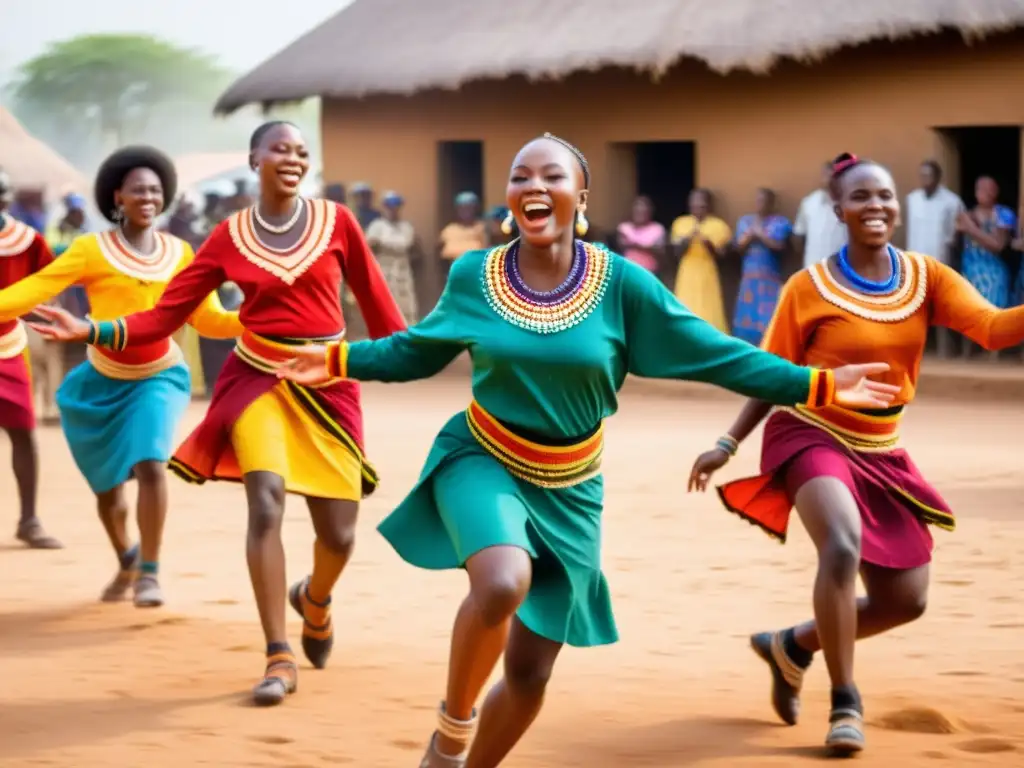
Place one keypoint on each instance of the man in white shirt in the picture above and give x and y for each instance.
(819, 231)
(931, 217)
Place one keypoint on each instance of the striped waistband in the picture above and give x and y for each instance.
(13, 342)
(136, 363)
(269, 353)
(542, 464)
(860, 430)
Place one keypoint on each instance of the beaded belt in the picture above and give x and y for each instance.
(269, 353)
(864, 431)
(542, 464)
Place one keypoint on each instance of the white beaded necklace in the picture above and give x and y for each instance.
(278, 230)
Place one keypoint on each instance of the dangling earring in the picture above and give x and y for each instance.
(507, 223)
(119, 214)
(582, 225)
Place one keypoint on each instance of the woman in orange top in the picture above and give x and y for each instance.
(862, 499)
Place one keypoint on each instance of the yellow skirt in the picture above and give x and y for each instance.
(277, 434)
(699, 289)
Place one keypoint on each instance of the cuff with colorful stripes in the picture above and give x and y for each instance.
(112, 334)
(336, 359)
(823, 388)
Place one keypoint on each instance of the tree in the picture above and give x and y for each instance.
(115, 83)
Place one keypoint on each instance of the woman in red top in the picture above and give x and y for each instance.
(23, 252)
(289, 256)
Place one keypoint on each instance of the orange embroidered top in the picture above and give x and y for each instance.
(820, 322)
(294, 293)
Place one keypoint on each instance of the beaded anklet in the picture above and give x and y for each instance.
(460, 731)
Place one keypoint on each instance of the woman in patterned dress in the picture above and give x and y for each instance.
(761, 239)
(393, 241)
(987, 230)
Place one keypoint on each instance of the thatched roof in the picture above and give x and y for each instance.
(404, 46)
(31, 164)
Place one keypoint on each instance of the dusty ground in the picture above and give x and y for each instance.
(90, 685)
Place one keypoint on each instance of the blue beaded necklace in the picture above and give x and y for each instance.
(864, 285)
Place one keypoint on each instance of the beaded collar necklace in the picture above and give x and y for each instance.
(546, 311)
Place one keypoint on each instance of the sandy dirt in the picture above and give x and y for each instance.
(87, 685)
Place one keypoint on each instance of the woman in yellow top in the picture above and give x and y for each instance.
(119, 410)
(700, 238)
(467, 233)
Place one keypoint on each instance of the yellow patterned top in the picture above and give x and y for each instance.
(118, 281)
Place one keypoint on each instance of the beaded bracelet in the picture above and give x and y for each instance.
(728, 444)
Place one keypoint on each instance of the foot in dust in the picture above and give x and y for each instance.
(110, 686)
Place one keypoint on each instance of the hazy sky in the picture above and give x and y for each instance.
(242, 34)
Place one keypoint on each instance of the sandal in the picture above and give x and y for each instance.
(31, 533)
(787, 675)
(280, 680)
(117, 589)
(317, 639)
(460, 731)
(147, 592)
(845, 733)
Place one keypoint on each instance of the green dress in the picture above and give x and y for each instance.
(552, 381)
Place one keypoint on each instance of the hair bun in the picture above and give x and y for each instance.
(844, 161)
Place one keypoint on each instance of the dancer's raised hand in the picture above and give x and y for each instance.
(60, 324)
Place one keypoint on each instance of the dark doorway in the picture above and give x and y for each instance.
(989, 151)
(460, 169)
(665, 172)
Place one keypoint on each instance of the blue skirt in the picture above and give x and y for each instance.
(111, 424)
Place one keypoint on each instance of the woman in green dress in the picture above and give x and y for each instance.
(512, 490)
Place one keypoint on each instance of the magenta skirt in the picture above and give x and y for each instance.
(17, 410)
(896, 503)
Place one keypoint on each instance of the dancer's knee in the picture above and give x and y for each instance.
(910, 608)
(339, 539)
(500, 595)
(499, 580)
(832, 519)
(150, 472)
(840, 556)
(265, 495)
(335, 525)
(111, 505)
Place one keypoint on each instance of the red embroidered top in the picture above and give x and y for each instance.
(294, 293)
(23, 252)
